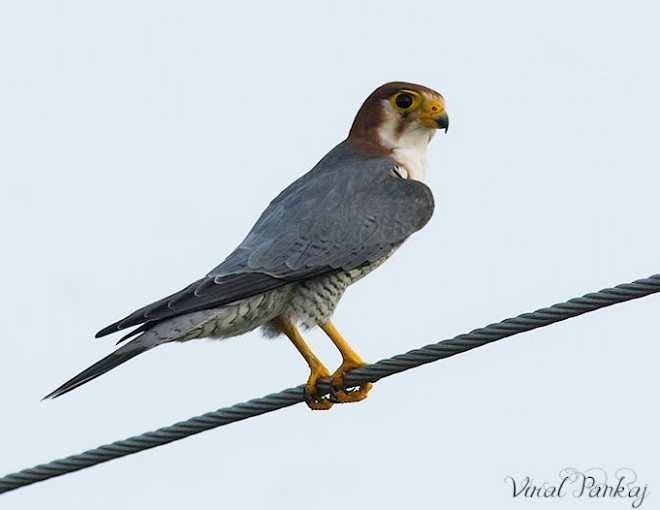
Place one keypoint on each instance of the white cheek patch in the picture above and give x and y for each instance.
(388, 127)
(408, 147)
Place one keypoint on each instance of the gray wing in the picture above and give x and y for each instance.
(349, 210)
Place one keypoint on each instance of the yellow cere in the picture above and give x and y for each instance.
(434, 107)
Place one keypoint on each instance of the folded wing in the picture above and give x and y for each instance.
(349, 210)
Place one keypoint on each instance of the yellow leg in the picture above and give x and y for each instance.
(318, 370)
(350, 360)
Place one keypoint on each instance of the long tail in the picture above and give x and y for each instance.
(121, 355)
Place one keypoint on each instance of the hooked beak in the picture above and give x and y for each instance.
(442, 121)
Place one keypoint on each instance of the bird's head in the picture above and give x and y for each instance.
(401, 118)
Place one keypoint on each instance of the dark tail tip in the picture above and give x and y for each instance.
(99, 368)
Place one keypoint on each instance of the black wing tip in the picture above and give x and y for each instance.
(128, 322)
(108, 330)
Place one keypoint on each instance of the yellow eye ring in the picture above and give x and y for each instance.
(406, 100)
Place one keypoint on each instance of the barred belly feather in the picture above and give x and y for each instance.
(314, 301)
(308, 303)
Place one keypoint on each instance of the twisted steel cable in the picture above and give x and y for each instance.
(369, 373)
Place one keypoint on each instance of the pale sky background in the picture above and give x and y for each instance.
(139, 141)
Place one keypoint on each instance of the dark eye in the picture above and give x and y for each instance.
(404, 101)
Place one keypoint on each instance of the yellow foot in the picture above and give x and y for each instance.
(344, 395)
(314, 401)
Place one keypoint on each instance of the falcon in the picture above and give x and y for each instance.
(325, 231)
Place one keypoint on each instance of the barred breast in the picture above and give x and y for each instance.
(313, 301)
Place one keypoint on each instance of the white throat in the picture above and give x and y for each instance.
(408, 147)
